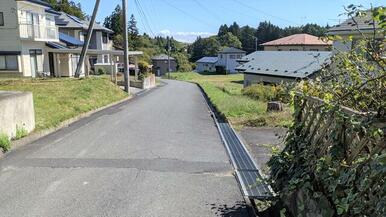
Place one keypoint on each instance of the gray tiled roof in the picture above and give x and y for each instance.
(231, 50)
(162, 57)
(350, 25)
(207, 60)
(293, 64)
(65, 20)
(40, 2)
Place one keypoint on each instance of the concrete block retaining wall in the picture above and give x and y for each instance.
(16, 110)
(147, 83)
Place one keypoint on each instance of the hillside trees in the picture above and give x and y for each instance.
(69, 7)
(245, 37)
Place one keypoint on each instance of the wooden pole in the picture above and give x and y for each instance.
(88, 39)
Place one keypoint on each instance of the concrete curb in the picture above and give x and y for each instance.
(34, 136)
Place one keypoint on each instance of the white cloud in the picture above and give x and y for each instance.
(187, 37)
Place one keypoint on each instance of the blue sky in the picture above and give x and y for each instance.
(186, 19)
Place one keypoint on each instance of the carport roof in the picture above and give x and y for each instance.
(58, 48)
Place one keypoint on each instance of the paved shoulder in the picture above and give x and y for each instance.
(158, 155)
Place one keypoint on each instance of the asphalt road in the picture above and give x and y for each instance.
(157, 155)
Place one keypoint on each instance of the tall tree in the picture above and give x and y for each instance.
(115, 21)
(230, 40)
(223, 30)
(235, 29)
(69, 7)
(248, 39)
(266, 31)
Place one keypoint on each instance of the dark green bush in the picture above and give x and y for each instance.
(101, 71)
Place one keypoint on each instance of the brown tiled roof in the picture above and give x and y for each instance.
(297, 39)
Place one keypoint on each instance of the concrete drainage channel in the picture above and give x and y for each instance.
(251, 181)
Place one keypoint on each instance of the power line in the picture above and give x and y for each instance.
(210, 12)
(263, 12)
(187, 13)
(144, 17)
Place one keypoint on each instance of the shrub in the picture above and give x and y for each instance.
(261, 92)
(5, 143)
(101, 71)
(143, 66)
(269, 92)
(20, 132)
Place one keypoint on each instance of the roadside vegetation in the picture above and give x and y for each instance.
(242, 107)
(57, 100)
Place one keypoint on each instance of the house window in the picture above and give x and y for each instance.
(1, 19)
(232, 56)
(8, 62)
(106, 58)
(239, 56)
(104, 37)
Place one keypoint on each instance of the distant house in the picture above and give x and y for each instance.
(228, 57)
(298, 42)
(206, 64)
(274, 67)
(161, 65)
(354, 28)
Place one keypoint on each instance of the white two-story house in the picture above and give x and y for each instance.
(25, 28)
(100, 39)
(37, 41)
(228, 57)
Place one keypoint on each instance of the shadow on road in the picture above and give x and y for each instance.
(240, 209)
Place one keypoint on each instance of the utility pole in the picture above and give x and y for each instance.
(168, 57)
(256, 43)
(126, 47)
(88, 39)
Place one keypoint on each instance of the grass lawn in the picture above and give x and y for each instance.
(57, 100)
(225, 93)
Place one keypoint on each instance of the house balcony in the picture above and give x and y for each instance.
(38, 32)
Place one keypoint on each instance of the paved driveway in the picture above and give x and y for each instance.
(158, 155)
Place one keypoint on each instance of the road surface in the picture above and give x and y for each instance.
(157, 155)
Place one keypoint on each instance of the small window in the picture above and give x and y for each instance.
(1, 19)
(106, 58)
(8, 62)
(105, 38)
(232, 56)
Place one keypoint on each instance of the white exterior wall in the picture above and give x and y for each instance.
(209, 67)
(10, 35)
(250, 79)
(9, 40)
(229, 64)
(43, 63)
